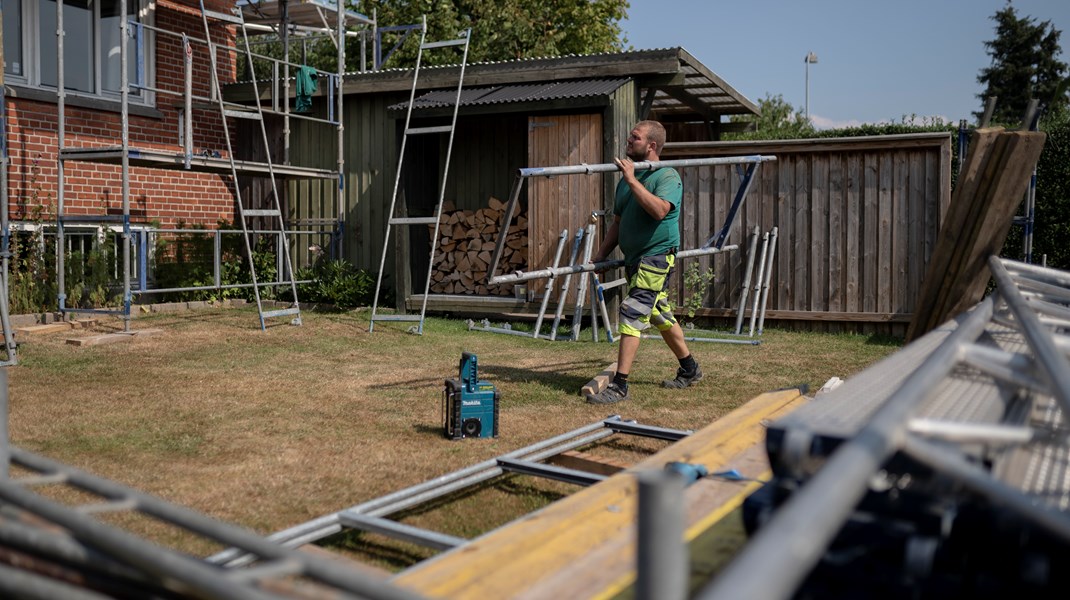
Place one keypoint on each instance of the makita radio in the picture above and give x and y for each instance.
(470, 406)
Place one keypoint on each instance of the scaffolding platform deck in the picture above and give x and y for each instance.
(199, 163)
(309, 13)
(162, 159)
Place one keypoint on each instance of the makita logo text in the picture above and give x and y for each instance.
(471, 403)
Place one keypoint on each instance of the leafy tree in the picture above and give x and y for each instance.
(501, 30)
(1025, 65)
(779, 121)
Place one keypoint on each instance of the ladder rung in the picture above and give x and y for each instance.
(414, 221)
(281, 313)
(242, 114)
(444, 43)
(113, 506)
(419, 130)
(396, 318)
(260, 212)
(223, 17)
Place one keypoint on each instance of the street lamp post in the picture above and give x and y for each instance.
(811, 58)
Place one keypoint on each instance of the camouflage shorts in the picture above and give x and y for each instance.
(648, 297)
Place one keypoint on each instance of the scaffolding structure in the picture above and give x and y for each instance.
(322, 16)
(945, 464)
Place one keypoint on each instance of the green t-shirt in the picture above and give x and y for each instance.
(639, 233)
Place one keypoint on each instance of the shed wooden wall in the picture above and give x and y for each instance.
(857, 218)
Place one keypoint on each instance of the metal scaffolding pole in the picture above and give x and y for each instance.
(717, 241)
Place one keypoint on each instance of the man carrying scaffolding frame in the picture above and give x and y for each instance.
(646, 216)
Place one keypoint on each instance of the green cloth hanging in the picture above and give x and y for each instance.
(306, 86)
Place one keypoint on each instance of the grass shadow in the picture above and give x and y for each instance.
(546, 375)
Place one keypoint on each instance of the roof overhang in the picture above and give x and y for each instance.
(683, 88)
(514, 97)
(673, 83)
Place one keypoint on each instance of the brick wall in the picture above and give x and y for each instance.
(166, 196)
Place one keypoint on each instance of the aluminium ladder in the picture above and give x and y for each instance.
(406, 220)
(275, 212)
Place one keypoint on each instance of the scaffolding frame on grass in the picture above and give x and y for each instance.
(372, 515)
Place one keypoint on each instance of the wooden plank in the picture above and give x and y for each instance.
(852, 286)
(884, 234)
(111, 338)
(587, 576)
(814, 315)
(43, 329)
(871, 221)
(836, 260)
(969, 222)
(600, 381)
(1023, 152)
(720, 292)
(583, 461)
(916, 251)
(541, 546)
(704, 226)
(801, 278)
(951, 230)
(785, 273)
(901, 248)
(874, 143)
(819, 235)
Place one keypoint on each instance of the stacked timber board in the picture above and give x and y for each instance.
(990, 188)
(465, 245)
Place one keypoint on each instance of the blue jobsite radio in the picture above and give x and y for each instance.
(470, 406)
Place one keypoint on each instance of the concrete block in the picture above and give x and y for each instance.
(169, 307)
(112, 338)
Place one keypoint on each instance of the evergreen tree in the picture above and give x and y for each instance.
(1025, 65)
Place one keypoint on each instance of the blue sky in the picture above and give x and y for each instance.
(877, 60)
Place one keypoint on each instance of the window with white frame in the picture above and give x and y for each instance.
(91, 46)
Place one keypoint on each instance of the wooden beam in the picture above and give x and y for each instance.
(812, 315)
(872, 142)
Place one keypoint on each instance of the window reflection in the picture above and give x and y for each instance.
(13, 37)
(79, 73)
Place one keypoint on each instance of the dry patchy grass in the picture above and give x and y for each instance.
(270, 429)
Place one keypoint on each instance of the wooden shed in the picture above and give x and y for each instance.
(538, 112)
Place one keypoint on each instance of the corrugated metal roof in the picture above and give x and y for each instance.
(519, 92)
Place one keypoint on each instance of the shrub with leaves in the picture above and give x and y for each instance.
(337, 282)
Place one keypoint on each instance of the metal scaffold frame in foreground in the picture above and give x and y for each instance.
(1029, 315)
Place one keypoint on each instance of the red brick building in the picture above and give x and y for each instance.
(92, 110)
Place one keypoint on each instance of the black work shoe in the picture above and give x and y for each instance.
(683, 378)
(611, 395)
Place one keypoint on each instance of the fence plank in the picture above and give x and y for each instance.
(852, 278)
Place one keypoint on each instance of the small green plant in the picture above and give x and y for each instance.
(696, 283)
(31, 286)
(337, 282)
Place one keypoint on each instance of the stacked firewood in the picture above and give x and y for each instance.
(466, 240)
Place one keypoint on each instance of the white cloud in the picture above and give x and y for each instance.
(822, 123)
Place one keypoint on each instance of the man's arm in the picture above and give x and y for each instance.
(654, 206)
(609, 242)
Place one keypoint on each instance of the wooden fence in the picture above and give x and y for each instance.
(858, 219)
